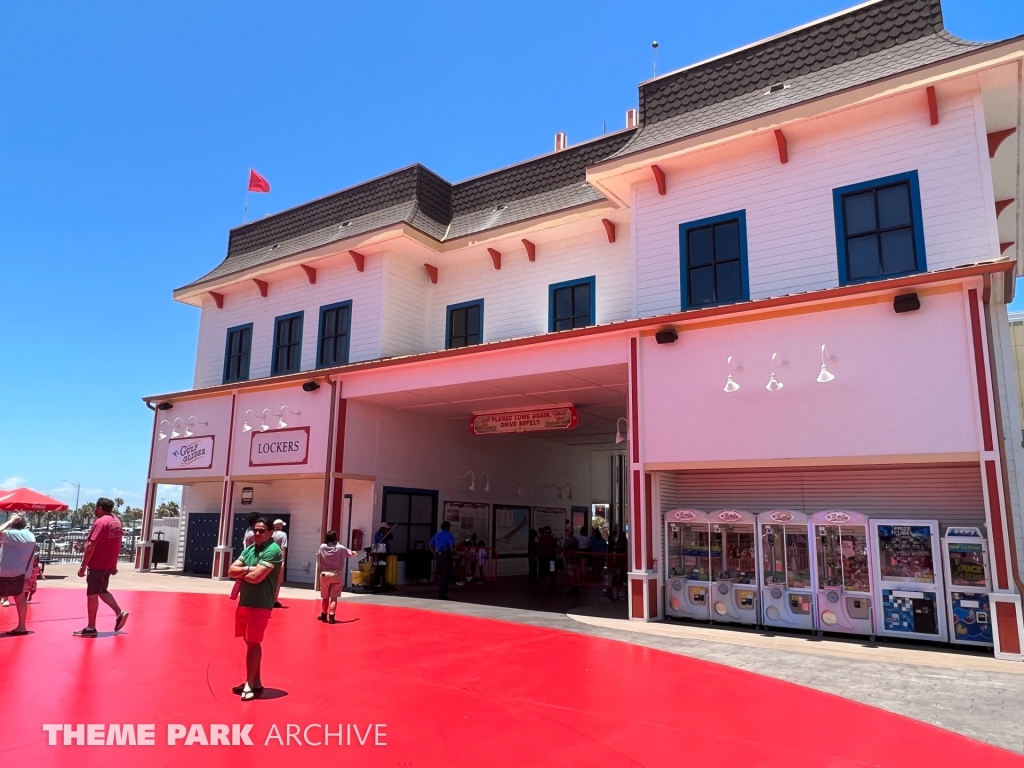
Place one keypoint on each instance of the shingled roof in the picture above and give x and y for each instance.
(867, 43)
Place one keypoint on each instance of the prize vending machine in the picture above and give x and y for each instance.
(968, 582)
(787, 592)
(842, 593)
(734, 573)
(688, 555)
(909, 599)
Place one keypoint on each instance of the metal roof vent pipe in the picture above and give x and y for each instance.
(561, 141)
(632, 118)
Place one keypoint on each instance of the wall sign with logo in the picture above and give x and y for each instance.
(279, 447)
(190, 452)
(526, 420)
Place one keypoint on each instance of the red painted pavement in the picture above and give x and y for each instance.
(451, 690)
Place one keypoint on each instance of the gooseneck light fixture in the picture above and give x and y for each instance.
(619, 437)
(162, 434)
(472, 483)
(191, 423)
(774, 385)
(175, 432)
(281, 423)
(247, 427)
(730, 382)
(826, 375)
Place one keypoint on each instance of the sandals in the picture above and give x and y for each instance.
(16, 632)
(248, 694)
(238, 690)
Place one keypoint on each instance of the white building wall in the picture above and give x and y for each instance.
(516, 296)
(791, 238)
(405, 306)
(303, 500)
(289, 292)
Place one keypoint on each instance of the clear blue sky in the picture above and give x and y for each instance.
(126, 132)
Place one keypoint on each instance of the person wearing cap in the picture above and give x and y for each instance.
(281, 539)
(379, 553)
(442, 545)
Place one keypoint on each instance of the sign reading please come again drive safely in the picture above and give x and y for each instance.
(526, 420)
(278, 447)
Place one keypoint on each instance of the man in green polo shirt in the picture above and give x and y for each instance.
(256, 570)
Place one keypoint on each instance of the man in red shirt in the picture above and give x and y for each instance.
(100, 560)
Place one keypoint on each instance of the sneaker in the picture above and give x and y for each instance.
(322, 617)
(460, 583)
(122, 619)
(87, 632)
(4, 603)
(277, 604)
(330, 619)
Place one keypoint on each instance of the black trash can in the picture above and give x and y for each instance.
(417, 562)
(161, 549)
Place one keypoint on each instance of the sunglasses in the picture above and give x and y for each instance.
(259, 531)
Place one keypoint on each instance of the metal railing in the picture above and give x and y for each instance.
(67, 546)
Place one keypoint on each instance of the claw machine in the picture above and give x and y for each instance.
(787, 591)
(842, 593)
(910, 595)
(688, 555)
(968, 582)
(734, 573)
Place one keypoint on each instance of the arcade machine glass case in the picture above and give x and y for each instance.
(843, 571)
(787, 590)
(688, 554)
(968, 582)
(734, 589)
(910, 600)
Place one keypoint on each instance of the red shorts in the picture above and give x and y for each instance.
(251, 623)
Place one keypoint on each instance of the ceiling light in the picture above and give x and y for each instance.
(730, 382)
(774, 385)
(826, 376)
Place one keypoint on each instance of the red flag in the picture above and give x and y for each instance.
(257, 183)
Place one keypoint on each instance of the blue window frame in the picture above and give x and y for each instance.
(333, 339)
(879, 232)
(464, 325)
(236, 353)
(571, 304)
(713, 260)
(287, 344)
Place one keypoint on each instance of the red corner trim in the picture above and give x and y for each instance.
(636, 603)
(979, 368)
(659, 178)
(432, 272)
(998, 137)
(780, 140)
(634, 425)
(531, 250)
(1004, 247)
(1009, 637)
(649, 517)
(358, 259)
(1002, 205)
(609, 228)
(310, 274)
(996, 515)
(218, 299)
(495, 257)
(636, 533)
(933, 105)
(262, 285)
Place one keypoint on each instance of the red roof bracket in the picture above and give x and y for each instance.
(358, 259)
(659, 178)
(780, 140)
(531, 250)
(310, 274)
(996, 138)
(609, 228)
(1001, 205)
(218, 299)
(495, 257)
(933, 105)
(432, 272)
(262, 285)
(1004, 247)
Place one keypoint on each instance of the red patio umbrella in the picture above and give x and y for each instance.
(27, 500)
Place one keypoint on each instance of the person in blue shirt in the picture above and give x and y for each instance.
(442, 545)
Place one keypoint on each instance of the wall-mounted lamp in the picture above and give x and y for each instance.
(559, 487)
(247, 427)
(619, 437)
(175, 432)
(191, 423)
(281, 423)
(310, 386)
(774, 385)
(162, 434)
(730, 382)
(826, 376)
(472, 483)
